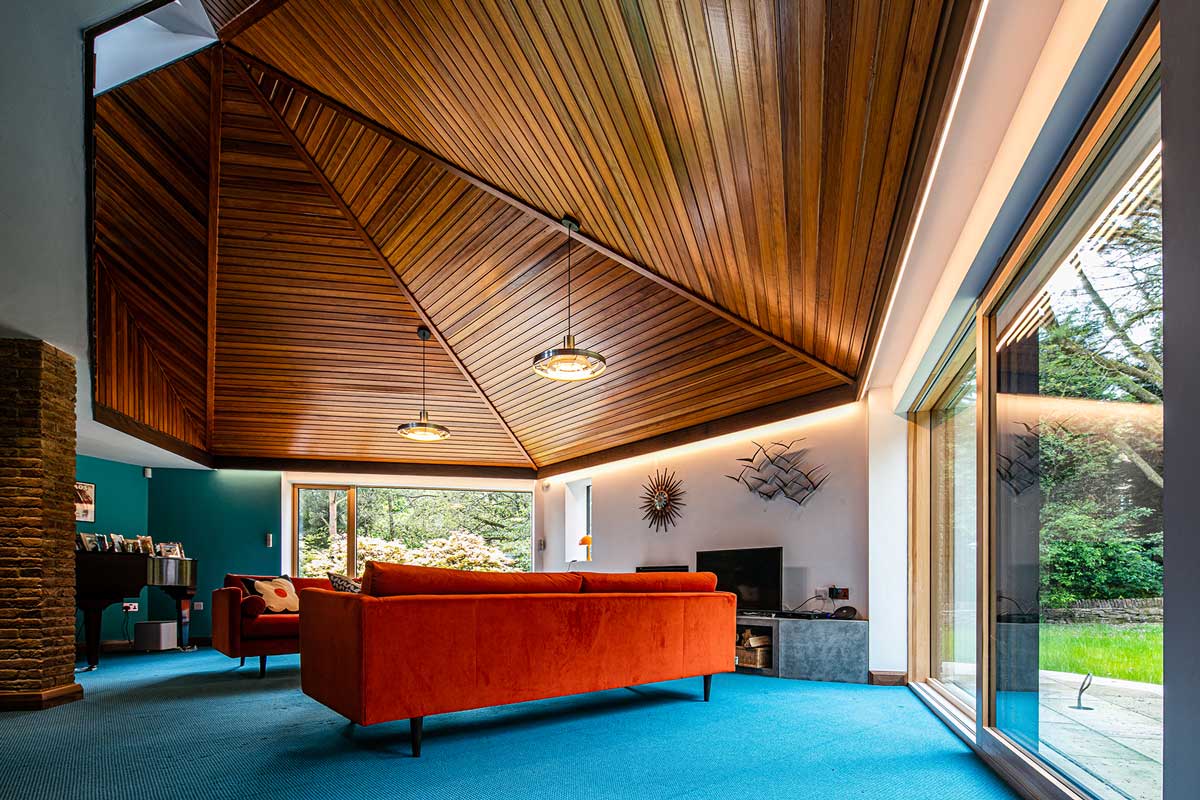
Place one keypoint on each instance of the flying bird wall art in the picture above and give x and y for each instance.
(778, 470)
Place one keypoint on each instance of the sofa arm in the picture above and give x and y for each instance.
(331, 649)
(227, 621)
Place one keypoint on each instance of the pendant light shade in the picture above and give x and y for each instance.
(568, 362)
(423, 430)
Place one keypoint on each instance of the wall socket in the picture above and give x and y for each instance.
(129, 607)
(839, 593)
(198, 605)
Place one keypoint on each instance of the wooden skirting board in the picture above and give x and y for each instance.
(885, 677)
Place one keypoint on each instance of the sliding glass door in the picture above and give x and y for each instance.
(953, 553)
(1077, 484)
(1037, 456)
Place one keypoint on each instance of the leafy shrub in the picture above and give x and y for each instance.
(1089, 555)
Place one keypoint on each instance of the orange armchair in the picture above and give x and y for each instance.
(240, 627)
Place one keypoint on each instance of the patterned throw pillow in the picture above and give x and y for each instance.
(344, 583)
(278, 593)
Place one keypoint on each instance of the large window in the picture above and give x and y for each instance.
(339, 529)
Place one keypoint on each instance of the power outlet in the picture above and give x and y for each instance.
(198, 605)
(822, 592)
(129, 607)
(839, 593)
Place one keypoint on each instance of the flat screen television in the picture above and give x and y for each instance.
(754, 574)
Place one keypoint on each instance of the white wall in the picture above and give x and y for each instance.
(887, 447)
(824, 542)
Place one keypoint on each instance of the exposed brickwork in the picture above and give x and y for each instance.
(37, 517)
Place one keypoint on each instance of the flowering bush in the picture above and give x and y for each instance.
(461, 550)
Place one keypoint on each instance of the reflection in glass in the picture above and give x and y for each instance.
(1078, 488)
(952, 547)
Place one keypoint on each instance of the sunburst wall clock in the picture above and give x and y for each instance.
(661, 503)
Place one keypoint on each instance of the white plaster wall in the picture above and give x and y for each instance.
(824, 542)
(887, 447)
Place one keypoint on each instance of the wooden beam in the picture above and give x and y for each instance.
(373, 467)
(373, 248)
(550, 219)
(250, 15)
(215, 96)
(766, 415)
(118, 421)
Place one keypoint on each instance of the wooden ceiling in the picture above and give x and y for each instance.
(744, 172)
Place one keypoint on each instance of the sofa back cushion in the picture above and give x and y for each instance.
(381, 579)
(235, 581)
(649, 581)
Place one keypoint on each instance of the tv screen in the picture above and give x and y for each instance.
(754, 574)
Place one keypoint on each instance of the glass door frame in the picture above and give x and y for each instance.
(1135, 78)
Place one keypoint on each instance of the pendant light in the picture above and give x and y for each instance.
(423, 430)
(569, 363)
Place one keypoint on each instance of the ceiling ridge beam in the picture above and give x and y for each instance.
(247, 18)
(302, 153)
(548, 219)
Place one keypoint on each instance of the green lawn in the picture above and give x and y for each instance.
(1129, 652)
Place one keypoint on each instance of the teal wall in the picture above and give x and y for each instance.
(121, 503)
(221, 517)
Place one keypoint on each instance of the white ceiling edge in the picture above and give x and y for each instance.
(979, 201)
(100, 441)
(1010, 38)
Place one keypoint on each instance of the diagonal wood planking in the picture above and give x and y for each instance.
(316, 353)
(151, 207)
(753, 152)
(493, 280)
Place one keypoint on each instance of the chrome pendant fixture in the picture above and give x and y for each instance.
(423, 430)
(569, 363)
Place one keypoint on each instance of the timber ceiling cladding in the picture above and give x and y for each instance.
(750, 151)
(493, 280)
(741, 170)
(151, 211)
(317, 352)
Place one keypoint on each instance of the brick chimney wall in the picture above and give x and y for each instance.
(37, 525)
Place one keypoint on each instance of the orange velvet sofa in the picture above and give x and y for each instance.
(240, 627)
(420, 641)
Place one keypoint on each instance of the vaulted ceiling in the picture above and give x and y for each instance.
(276, 215)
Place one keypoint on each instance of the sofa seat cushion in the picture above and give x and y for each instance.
(272, 626)
(381, 579)
(649, 582)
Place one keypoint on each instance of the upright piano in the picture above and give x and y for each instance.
(104, 578)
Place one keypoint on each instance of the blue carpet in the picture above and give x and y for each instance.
(192, 725)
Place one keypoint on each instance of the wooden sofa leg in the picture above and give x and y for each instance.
(707, 687)
(243, 662)
(414, 728)
(262, 666)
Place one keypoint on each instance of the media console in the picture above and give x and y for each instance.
(810, 649)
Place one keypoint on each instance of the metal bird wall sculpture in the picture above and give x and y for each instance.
(777, 469)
